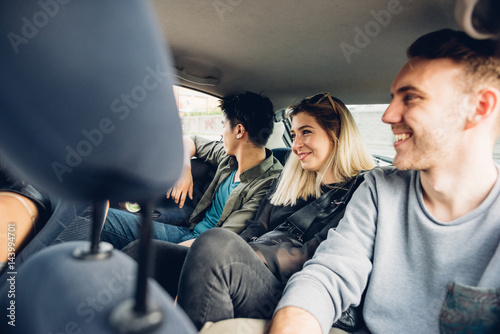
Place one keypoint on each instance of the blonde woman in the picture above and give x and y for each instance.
(225, 275)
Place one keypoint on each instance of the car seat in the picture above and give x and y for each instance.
(88, 115)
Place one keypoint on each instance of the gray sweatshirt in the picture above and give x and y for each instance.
(390, 245)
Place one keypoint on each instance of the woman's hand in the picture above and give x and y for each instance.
(187, 243)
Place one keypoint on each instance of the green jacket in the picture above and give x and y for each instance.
(243, 202)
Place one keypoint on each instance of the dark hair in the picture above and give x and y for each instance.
(254, 111)
(481, 58)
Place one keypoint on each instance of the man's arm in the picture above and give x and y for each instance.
(206, 150)
(17, 219)
(336, 276)
(291, 320)
(184, 186)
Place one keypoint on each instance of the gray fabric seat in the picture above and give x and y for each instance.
(88, 115)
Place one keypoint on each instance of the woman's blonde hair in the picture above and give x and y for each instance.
(348, 157)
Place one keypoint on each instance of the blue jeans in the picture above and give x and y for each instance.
(122, 227)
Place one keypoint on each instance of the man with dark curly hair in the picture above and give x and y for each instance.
(245, 172)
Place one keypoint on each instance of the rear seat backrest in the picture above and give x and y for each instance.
(282, 153)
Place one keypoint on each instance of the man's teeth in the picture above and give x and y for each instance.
(401, 136)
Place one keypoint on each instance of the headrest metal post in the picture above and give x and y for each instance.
(96, 250)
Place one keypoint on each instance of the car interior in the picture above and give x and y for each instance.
(73, 70)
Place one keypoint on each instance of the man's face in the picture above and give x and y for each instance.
(228, 136)
(426, 113)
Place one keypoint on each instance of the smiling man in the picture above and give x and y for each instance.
(420, 242)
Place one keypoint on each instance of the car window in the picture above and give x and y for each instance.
(199, 112)
(378, 136)
(201, 115)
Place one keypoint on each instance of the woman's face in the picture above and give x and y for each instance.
(311, 143)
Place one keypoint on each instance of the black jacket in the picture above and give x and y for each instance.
(318, 215)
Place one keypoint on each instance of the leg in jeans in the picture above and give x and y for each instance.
(168, 259)
(121, 228)
(223, 278)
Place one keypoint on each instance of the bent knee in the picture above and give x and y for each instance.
(216, 242)
(215, 234)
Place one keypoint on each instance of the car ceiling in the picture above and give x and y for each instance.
(288, 50)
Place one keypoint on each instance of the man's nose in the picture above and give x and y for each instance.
(393, 114)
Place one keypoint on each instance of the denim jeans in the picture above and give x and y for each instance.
(223, 278)
(122, 227)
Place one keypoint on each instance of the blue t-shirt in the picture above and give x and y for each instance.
(215, 211)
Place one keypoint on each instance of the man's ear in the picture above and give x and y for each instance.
(486, 104)
(240, 130)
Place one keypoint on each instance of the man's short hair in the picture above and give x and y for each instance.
(481, 58)
(254, 111)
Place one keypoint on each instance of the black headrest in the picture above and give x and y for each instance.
(56, 293)
(86, 99)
